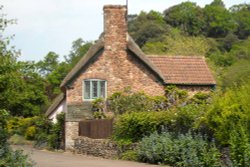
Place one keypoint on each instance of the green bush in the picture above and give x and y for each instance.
(8, 157)
(43, 128)
(130, 155)
(30, 133)
(181, 150)
(56, 134)
(186, 117)
(127, 101)
(135, 125)
(240, 146)
(227, 111)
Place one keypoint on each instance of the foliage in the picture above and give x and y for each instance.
(130, 155)
(187, 16)
(175, 95)
(135, 125)
(147, 27)
(236, 74)
(186, 117)
(240, 146)
(241, 50)
(79, 49)
(241, 15)
(201, 98)
(229, 110)
(55, 138)
(30, 133)
(21, 90)
(49, 63)
(176, 43)
(8, 157)
(219, 21)
(181, 150)
(127, 101)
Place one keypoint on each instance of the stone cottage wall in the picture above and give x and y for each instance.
(71, 133)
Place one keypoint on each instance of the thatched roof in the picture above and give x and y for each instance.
(83, 61)
(55, 104)
(99, 46)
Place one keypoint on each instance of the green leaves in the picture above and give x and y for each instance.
(181, 150)
(187, 16)
(229, 110)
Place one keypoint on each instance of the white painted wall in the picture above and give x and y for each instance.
(61, 108)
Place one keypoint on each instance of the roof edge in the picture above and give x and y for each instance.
(133, 47)
(55, 104)
(192, 84)
(83, 61)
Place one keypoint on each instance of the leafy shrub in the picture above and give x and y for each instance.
(135, 125)
(240, 147)
(43, 128)
(8, 157)
(13, 126)
(186, 117)
(181, 150)
(127, 101)
(201, 98)
(175, 96)
(56, 134)
(30, 133)
(229, 110)
(130, 155)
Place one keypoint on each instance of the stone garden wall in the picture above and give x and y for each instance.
(96, 147)
(104, 148)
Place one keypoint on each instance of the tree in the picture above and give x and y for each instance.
(55, 78)
(219, 21)
(48, 64)
(147, 27)
(21, 88)
(79, 49)
(187, 16)
(175, 43)
(9, 87)
(241, 15)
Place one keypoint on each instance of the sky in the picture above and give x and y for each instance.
(52, 25)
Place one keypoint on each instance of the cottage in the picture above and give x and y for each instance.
(115, 62)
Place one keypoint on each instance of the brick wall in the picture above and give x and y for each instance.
(115, 65)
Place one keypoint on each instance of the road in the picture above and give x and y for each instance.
(45, 158)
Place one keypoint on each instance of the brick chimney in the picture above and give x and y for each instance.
(115, 28)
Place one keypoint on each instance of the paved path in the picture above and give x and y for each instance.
(55, 159)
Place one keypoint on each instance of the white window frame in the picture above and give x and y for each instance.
(91, 89)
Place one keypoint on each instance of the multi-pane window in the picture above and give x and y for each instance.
(94, 88)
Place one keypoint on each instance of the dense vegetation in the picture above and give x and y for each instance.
(216, 122)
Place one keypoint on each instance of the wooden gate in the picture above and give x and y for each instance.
(96, 129)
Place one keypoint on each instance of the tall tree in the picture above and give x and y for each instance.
(219, 21)
(21, 89)
(187, 16)
(48, 64)
(241, 15)
(147, 27)
(79, 49)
